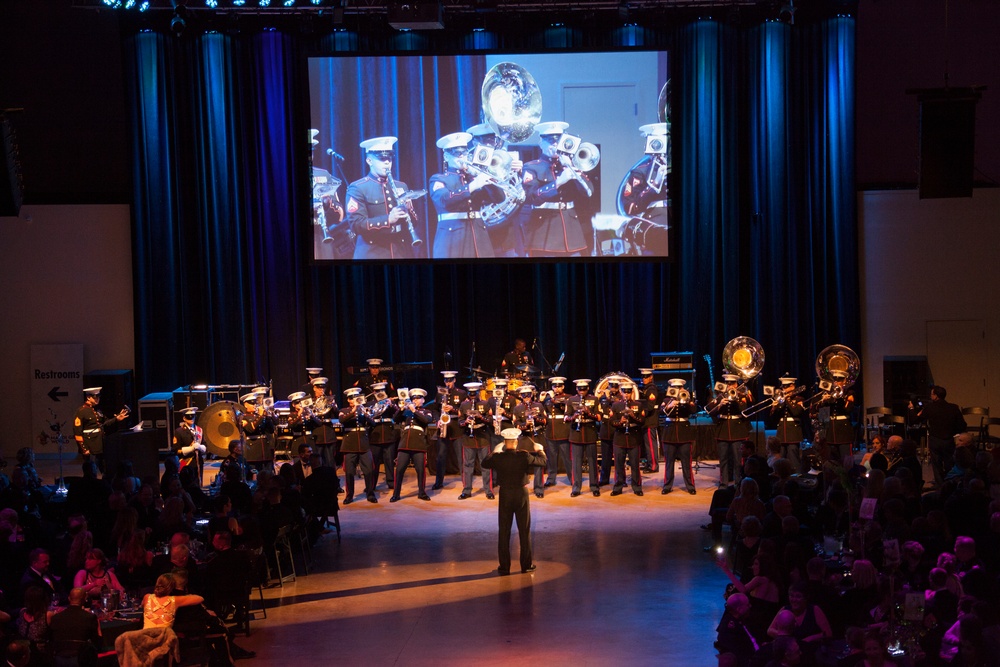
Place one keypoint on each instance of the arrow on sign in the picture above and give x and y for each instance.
(55, 394)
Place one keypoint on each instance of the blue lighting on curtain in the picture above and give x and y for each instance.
(629, 35)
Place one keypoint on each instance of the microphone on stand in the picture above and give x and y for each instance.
(559, 362)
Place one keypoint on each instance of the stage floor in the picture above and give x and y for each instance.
(620, 580)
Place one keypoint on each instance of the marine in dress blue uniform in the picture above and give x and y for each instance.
(413, 419)
(354, 447)
(529, 418)
(551, 225)
(646, 194)
(458, 194)
(626, 419)
(373, 212)
(731, 427)
(505, 233)
(678, 435)
(556, 431)
(651, 393)
(584, 417)
(476, 441)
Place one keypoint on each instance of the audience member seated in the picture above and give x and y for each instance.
(228, 577)
(222, 518)
(75, 623)
(320, 490)
(197, 621)
(191, 486)
(96, 577)
(125, 479)
(38, 575)
(762, 590)
(32, 621)
(238, 491)
(811, 625)
(18, 654)
(135, 561)
(733, 634)
(172, 520)
(180, 558)
(147, 505)
(26, 463)
(156, 639)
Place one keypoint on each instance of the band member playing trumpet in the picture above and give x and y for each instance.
(413, 419)
(552, 188)
(255, 425)
(627, 418)
(324, 407)
(89, 426)
(383, 436)
(653, 395)
(789, 411)
(678, 435)
(556, 430)
(188, 443)
(605, 433)
(450, 398)
(583, 416)
(355, 421)
(476, 441)
(732, 428)
(458, 194)
(373, 209)
(529, 418)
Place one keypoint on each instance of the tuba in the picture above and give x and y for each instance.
(743, 356)
(838, 361)
(512, 106)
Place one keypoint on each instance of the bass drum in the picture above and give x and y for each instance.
(219, 422)
(601, 388)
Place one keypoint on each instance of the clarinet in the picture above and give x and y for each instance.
(411, 214)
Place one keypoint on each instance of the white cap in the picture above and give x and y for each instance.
(374, 362)
(645, 371)
(454, 140)
(584, 382)
(787, 380)
(449, 375)
(628, 384)
(729, 377)
(557, 379)
(312, 137)
(418, 392)
(319, 380)
(481, 130)
(259, 390)
(189, 412)
(510, 433)
(92, 391)
(473, 386)
(296, 396)
(248, 398)
(653, 129)
(526, 389)
(352, 392)
(377, 144)
(676, 382)
(379, 385)
(551, 127)
(314, 370)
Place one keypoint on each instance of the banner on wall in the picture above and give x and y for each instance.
(56, 393)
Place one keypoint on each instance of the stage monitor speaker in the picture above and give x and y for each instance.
(903, 377)
(947, 142)
(139, 447)
(118, 390)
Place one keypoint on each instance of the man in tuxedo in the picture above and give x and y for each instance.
(74, 623)
(37, 574)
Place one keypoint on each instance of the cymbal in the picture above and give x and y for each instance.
(477, 371)
(527, 368)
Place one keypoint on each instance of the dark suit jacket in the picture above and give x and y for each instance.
(31, 578)
(75, 624)
(512, 467)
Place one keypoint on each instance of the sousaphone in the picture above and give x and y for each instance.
(838, 362)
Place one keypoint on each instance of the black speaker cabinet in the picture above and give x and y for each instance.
(190, 398)
(947, 141)
(139, 447)
(903, 377)
(118, 390)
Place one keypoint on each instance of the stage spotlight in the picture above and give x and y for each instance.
(239, 3)
(144, 5)
(289, 3)
(177, 25)
(129, 4)
(264, 3)
(211, 4)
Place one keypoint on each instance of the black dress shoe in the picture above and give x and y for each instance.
(539, 494)
(692, 491)
(348, 501)
(490, 496)
(638, 492)
(597, 492)
(464, 496)
(530, 568)
(437, 485)
(393, 499)
(502, 572)
(240, 653)
(551, 482)
(664, 491)
(423, 496)
(372, 498)
(341, 491)
(616, 492)
(574, 494)
(705, 526)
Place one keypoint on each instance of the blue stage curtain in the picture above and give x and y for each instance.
(226, 291)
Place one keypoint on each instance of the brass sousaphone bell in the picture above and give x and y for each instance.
(836, 362)
(512, 102)
(743, 356)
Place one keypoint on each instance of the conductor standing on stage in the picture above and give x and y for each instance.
(512, 467)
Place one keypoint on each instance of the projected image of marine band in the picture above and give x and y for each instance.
(645, 196)
(489, 154)
(459, 194)
(553, 187)
(380, 209)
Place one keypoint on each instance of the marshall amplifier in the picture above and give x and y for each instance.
(672, 361)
